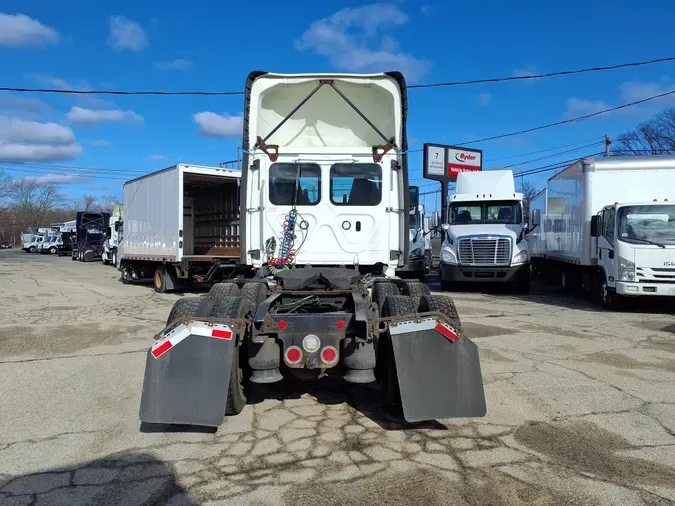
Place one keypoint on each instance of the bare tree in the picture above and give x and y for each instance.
(529, 192)
(32, 202)
(653, 137)
(107, 202)
(5, 187)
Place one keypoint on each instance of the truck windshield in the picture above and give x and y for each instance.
(647, 224)
(472, 213)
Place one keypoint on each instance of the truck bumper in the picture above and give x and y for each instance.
(639, 289)
(416, 265)
(466, 274)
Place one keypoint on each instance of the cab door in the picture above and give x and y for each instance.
(606, 257)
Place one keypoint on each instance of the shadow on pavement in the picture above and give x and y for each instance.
(124, 478)
(365, 399)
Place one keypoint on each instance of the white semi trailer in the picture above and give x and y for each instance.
(607, 225)
(181, 225)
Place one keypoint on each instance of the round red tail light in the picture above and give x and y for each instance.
(293, 355)
(282, 324)
(340, 324)
(329, 354)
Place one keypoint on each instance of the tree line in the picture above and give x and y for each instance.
(27, 203)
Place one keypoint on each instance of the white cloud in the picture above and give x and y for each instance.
(92, 116)
(428, 9)
(58, 178)
(79, 85)
(19, 30)
(525, 71)
(581, 107)
(157, 158)
(126, 34)
(484, 99)
(215, 125)
(178, 64)
(353, 39)
(30, 141)
(101, 143)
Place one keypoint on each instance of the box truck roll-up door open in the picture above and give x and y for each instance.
(210, 216)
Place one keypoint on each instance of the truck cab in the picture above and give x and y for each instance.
(419, 239)
(485, 236)
(51, 244)
(34, 244)
(113, 237)
(635, 249)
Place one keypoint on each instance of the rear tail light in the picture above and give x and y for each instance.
(329, 355)
(293, 355)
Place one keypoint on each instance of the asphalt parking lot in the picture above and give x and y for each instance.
(581, 410)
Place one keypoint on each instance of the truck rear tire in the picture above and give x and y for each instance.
(440, 304)
(394, 305)
(234, 307)
(183, 308)
(254, 294)
(381, 291)
(416, 290)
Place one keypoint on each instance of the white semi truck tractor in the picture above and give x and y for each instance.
(324, 227)
(486, 236)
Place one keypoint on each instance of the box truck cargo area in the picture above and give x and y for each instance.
(608, 226)
(181, 225)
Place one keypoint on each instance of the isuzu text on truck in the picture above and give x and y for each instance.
(485, 237)
(324, 226)
(607, 225)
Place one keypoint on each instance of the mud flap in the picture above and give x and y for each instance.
(187, 373)
(438, 371)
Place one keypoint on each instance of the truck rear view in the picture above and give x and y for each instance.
(324, 228)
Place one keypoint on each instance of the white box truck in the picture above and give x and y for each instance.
(608, 226)
(485, 236)
(181, 224)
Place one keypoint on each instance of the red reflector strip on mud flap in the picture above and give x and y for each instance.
(439, 375)
(197, 328)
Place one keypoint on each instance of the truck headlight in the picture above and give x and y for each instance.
(520, 258)
(448, 256)
(626, 270)
(417, 252)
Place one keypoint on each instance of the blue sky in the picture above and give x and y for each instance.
(213, 46)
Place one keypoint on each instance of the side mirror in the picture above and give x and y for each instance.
(535, 219)
(435, 219)
(445, 227)
(595, 226)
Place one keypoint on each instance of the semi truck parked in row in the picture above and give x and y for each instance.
(90, 235)
(113, 236)
(607, 226)
(419, 231)
(485, 237)
(181, 225)
(324, 182)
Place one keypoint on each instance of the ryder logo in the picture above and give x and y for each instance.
(464, 157)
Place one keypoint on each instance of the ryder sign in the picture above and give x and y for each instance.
(461, 160)
(444, 163)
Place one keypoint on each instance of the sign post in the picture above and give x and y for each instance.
(443, 163)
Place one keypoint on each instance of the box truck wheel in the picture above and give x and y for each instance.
(159, 279)
(608, 297)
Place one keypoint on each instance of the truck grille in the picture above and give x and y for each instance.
(485, 251)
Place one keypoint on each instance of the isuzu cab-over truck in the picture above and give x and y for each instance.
(607, 225)
(324, 226)
(485, 237)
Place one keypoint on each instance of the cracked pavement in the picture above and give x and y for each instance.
(581, 410)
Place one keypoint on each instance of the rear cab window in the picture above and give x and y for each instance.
(355, 184)
(295, 184)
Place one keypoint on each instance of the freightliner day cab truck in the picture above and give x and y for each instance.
(113, 236)
(324, 226)
(485, 238)
(181, 225)
(607, 226)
